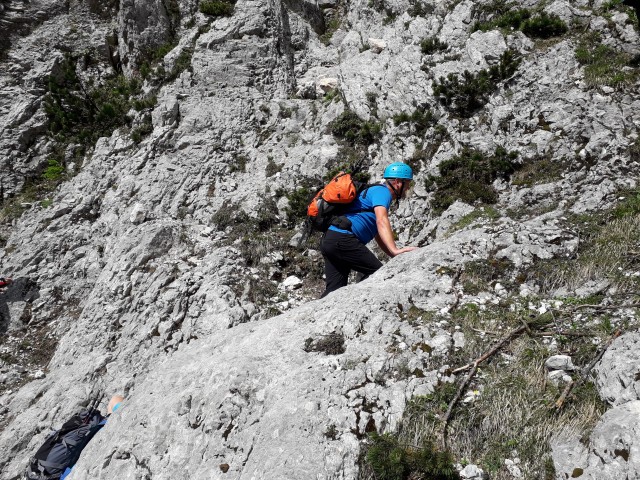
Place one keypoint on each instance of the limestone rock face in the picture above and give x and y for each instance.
(161, 266)
(612, 451)
(617, 374)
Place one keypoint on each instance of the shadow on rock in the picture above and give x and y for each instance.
(13, 298)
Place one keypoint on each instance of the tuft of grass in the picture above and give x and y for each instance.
(480, 275)
(608, 251)
(603, 65)
(511, 413)
(469, 177)
(484, 213)
(538, 171)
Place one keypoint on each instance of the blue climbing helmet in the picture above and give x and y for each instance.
(398, 170)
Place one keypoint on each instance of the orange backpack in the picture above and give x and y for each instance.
(331, 201)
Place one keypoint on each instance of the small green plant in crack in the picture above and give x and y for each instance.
(239, 164)
(142, 130)
(331, 344)
(332, 26)
(332, 95)
(272, 167)
(331, 432)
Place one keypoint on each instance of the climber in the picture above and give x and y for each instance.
(4, 282)
(114, 404)
(55, 459)
(367, 217)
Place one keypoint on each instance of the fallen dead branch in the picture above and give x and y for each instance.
(474, 368)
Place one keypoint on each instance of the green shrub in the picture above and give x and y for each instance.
(469, 177)
(465, 95)
(541, 25)
(391, 460)
(78, 114)
(420, 9)
(355, 131)
(216, 8)
(298, 201)
(145, 103)
(544, 25)
(351, 160)
(420, 120)
(432, 45)
(141, 131)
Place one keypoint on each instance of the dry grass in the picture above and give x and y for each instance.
(511, 417)
(613, 254)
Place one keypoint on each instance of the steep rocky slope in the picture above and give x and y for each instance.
(152, 262)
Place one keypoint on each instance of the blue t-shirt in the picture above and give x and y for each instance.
(363, 223)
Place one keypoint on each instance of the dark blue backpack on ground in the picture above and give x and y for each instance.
(62, 448)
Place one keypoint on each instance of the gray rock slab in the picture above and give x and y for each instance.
(618, 373)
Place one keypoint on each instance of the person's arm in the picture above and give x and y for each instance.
(385, 234)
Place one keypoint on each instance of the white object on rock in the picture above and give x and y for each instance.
(138, 214)
(557, 376)
(559, 362)
(377, 45)
(458, 340)
(326, 84)
(472, 472)
(514, 470)
(292, 282)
